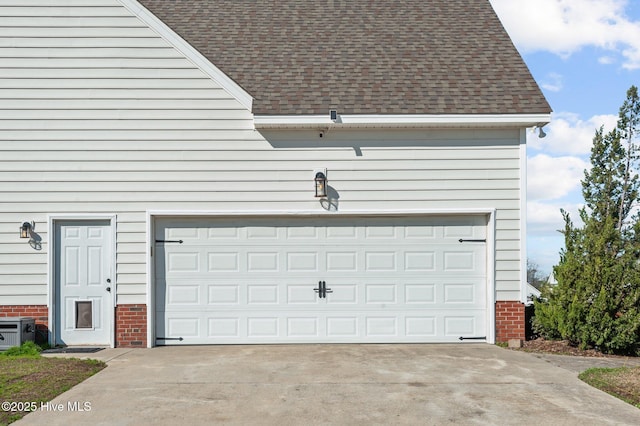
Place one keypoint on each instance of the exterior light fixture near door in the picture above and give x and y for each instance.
(321, 184)
(26, 229)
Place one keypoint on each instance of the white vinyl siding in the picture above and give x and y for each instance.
(100, 115)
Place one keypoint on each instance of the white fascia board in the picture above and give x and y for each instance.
(318, 213)
(403, 120)
(189, 52)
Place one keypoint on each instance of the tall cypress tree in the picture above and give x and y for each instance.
(596, 302)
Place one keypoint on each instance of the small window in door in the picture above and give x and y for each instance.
(84, 314)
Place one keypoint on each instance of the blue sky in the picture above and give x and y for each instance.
(584, 54)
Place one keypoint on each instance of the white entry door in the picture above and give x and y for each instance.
(83, 302)
(313, 280)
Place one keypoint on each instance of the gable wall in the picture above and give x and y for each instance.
(100, 115)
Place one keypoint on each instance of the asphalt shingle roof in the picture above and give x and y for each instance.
(360, 56)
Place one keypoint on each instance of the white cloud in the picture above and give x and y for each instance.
(606, 60)
(569, 134)
(552, 178)
(545, 219)
(565, 26)
(552, 82)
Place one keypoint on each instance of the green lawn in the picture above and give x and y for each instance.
(33, 379)
(623, 382)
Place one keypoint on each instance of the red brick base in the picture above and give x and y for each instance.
(509, 321)
(131, 322)
(38, 312)
(131, 326)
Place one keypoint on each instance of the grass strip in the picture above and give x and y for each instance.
(39, 379)
(622, 382)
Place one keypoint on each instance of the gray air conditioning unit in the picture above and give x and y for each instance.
(15, 331)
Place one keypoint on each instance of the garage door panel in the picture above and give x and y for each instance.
(223, 262)
(263, 326)
(262, 294)
(303, 233)
(376, 261)
(223, 328)
(184, 295)
(338, 233)
(305, 262)
(298, 294)
(388, 280)
(183, 262)
(381, 293)
(183, 327)
(420, 261)
(420, 232)
(420, 326)
(459, 293)
(307, 327)
(459, 261)
(343, 327)
(381, 232)
(181, 233)
(459, 326)
(223, 234)
(343, 294)
(223, 294)
(261, 232)
(341, 261)
(420, 293)
(458, 231)
(377, 326)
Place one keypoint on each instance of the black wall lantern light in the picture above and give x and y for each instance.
(25, 230)
(321, 184)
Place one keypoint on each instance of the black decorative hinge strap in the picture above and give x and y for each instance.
(170, 338)
(170, 241)
(471, 241)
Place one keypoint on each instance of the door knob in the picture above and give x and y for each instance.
(108, 280)
(109, 289)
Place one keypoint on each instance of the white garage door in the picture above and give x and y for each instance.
(303, 280)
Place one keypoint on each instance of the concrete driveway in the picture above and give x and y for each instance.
(333, 384)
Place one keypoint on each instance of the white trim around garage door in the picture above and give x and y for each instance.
(153, 214)
(51, 271)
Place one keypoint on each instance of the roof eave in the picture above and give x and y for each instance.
(402, 121)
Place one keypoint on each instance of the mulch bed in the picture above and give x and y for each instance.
(562, 347)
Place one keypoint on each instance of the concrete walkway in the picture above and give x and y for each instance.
(333, 384)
